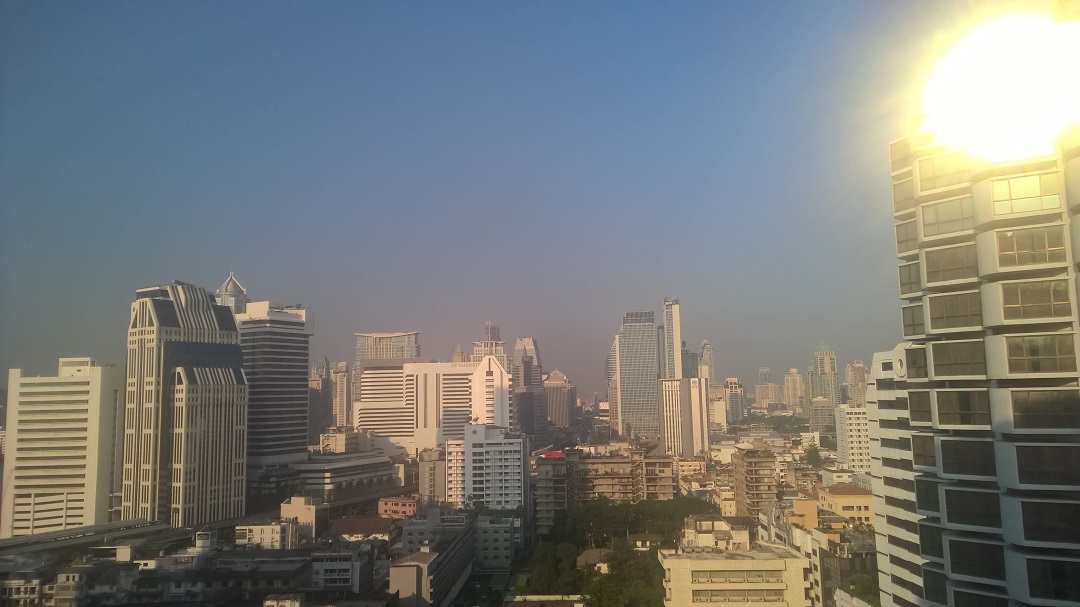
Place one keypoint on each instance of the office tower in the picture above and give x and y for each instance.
(342, 395)
(232, 295)
(672, 360)
(822, 376)
(896, 520)
(320, 400)
(614, 419)
(561, 395)
(735, 398)
(706, 363)
(764, 376)
(383, 346)
(185, 454)
(491, 345)
(684, 430)
(636, 374)
(988, 282)
(755, 477)
(767, 394)
(691, 361)
(533, 380)
(63, 460)
(822, 415)
(793, 386)
(718, 418)
(852, 439)
(856, 375)
(488, 466)
(276, 341)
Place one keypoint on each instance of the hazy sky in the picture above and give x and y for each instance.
(546, 166)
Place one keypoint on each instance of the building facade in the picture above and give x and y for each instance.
(852, 438)
(488, 465)
(634, 376)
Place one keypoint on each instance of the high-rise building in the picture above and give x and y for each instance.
(492, 345)
(684, 424)
(561, 395)
(383, 346)
(672, 343)
(793, 387)
(232, 294)
(988, 282)
(735, 398)
(489, 466)
(276, 340)
(755, 477)
(764, 376)
(852, 439)
(531, 379)
(320, 400)
(614, 419)
(341, 399)
(185, 453)
(706, 364)
(636, 372)
(856, 375)
(822, 415)
(63, 461)
(823, 378)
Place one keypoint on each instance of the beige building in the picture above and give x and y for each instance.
(711, 531)
(631, 477)
(769, 574)
(755, 477)
(311, 515)
(848, 501)
(63, 460)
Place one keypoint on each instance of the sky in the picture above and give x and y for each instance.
(400, 166)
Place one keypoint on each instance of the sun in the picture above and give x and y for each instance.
(1007, 90)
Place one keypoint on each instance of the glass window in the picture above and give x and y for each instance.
(907, 237)
(934, 587)
(910, 281)
(968, 457)
(1024, 194)
(959, 358)
(1031, 246)
(963, 408)
(948, 217)
(903, 195)
(900, 154)
(967, 599)
(1042, 299)
(944, 170)
(913, 320)
(1041, 353)
(1048, 464)
(1056, 580)
(1046, 408)
(977, 559)
(916, 362)
(930, 540)
(919, 407)
(956, 310)
(922, 450)
(952, 263)
(1051, 521)
(979, 508)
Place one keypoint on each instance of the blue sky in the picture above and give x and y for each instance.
(431, 166)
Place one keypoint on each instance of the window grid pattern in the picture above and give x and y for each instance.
(959, 358)
(1026, 194)
(952, 263)
(1041, 353)
(1041, 299)
(956, 310)
(1031, 246)
(944, 170)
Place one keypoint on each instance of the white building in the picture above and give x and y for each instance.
(769, 574)
(852, 438)
(672, 364)
(276, 344)
(684, 424)
(185, 458)
(341, 397)
(793, 388)
(488, 465)
(270, 536)
(63, 456)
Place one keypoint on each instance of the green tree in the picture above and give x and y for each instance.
(813, 457)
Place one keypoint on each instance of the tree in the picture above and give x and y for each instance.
(813, 457)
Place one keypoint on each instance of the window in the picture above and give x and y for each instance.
(1041, 353)
(919, 406)
(959, 358)
(900, 155)
(907, 237)
(930, 540)
(1046, 408)
(1056, 580)
(979, 508)
(1042, 299)
(903, 195)
(922, 450)
(934, 587)
(916, 362)
(1025, 194)
(944, 170)
(948, 217)
(968, 457)
(967, 599)
(1048, 464)
(977, 559)
(956, 310)
(952, 263)
(1031, 246)
(963, 408)
(910, 281)
(913, 320)
(1051, 521)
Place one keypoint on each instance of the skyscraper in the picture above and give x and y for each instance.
(636, 374)
(491, 345)
(276, 340)
(988, 282)
(383, 346)
(185, 454)
(489, 466)
(684, 423)
(707, 364)
(856, 376)
(793, 388)
(672, 361)
(341, 399)
(823, 378)
(852, 438)
(561, 395)
(526, 347)
(735, 397)
(63, 457)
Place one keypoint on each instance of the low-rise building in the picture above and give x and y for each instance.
(331, 477)
(498, 541)
(551, 490)
(849, 501)
(767, 573)
(310, 515)
(713, 531)
(270, 536)
(631, 477)
(360, 528)
(400, 506)
(432, 576)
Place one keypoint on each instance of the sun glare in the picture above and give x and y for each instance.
(1008, 89)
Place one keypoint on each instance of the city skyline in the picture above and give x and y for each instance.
(301, 167)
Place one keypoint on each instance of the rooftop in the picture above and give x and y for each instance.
(762, 552)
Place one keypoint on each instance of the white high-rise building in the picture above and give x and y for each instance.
(635, 376)
(341, 397)
(672, 351)
(852, 439)
(822, 377)
(684, 423)
(276, 344)
(376, 348)
(487, 465)
(707, 364)
(63, 460)
(185, 453)
(856, 376)
(793, 387)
